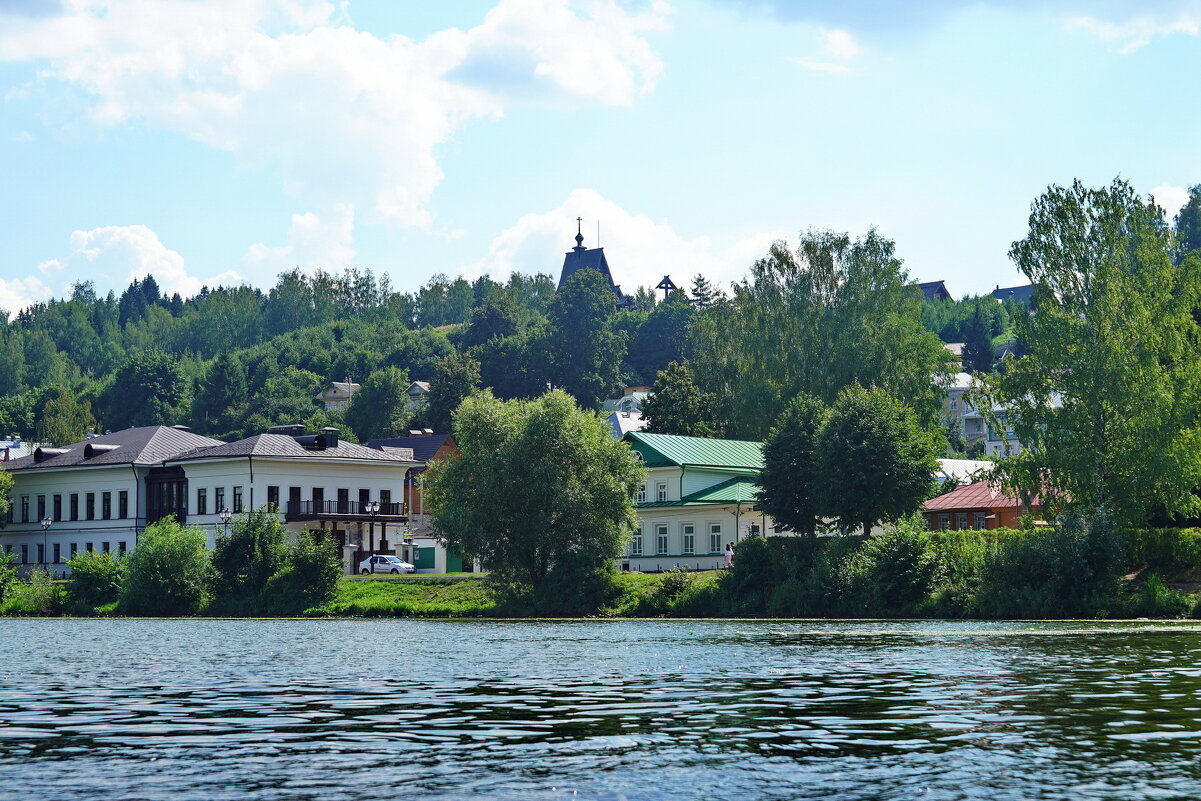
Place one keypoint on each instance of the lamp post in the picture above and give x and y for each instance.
(225, 516)
(47, 521)
(372, 508)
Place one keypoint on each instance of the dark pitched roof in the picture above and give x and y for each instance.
(581, 258)
(934, 289)
(145, 445)
(1020, 294)
(286, 446)
(424, 447)
(980, 495)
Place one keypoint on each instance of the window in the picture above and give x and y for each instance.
(318, 499)
(58, 553)
(981, 520)
(961, 521)
(24, 508)
(944, 522)
(41, 508)
(74, 505)
(343, 501)
(636, 544)
(41, 553)
(202, 501)
(661, 539)
(273, 498)
(364, 498)
(104, 547)
(24, 553)
(661, 491)
(953, 404)
(88, 547)
(74, 548)
(294, 499)
(219, 497)
(123, 504)
(385, 502)
(89, 505)
(58, 508)
(640, 496)
(715, 538)
(106, 505)
(237, 500)
(121, 547)
(689, 538)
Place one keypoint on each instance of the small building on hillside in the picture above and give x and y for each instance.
(416, 392)
(976, 506)
(336, 395)
(1018, 294)
(700, 495)
(630, 401)
(934, 290)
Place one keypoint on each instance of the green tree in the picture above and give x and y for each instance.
(308, 578)
(169, 571)
(146, 390)
(584, 353)
(1106, 400)
(96, 579)
(876, 460)
(244, 560)
(791, 480)
(704, 293)
(455, 377)
(497, 317)
(677, 406)
(815, 320)
(379, 407)
(540, 486)
(223, 389)
(977, 344)
(65, 419)
(1188, 223)
(663, 338)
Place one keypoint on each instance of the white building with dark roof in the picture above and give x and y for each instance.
(101, 493)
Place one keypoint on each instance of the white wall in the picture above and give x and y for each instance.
(702, 519)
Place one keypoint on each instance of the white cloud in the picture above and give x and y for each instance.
(312, 243)
(1170, 198)
(116, 254)
(345, 116)
(20, 293)
(1136, 32)
(640, 250)
(838, 49)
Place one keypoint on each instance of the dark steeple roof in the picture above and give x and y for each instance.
(581, 258)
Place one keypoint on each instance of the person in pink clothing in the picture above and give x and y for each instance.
(729, 554)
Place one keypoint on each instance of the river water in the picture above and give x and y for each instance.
(208, 709)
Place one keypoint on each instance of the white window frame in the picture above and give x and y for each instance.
(961, 521)
(688, 535)
(980, 520)
(636, 543)
(661, 492)
(661, 544)
(715, 538)
(640, 496)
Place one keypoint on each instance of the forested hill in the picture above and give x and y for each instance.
(231, 361)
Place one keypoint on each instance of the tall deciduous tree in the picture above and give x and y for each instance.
(584, 352)
(1188, 223)
(876, 460)
(379, 407)
(455, 377)
(65, 419)
(1106, 400)
(791, 483)
(540, 487)
(146, 390)
(677, 406)
(663, 337)
(815, 320)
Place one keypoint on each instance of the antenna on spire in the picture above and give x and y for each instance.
(598, 244)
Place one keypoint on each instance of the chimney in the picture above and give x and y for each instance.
(328, 438)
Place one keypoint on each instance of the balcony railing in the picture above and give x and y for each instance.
(310, 510)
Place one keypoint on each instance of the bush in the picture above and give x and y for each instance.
(169, 571)
(890, 574)
(1156, 599)
(578, 585)
(249, 556)
(95, 580)
(8, 574)
(308, 579)
(38, 596)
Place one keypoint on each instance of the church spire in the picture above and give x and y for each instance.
(579, 234)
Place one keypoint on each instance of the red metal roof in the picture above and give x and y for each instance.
(980, 495)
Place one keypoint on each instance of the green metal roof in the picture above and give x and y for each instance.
(728, 492)
(659, 450)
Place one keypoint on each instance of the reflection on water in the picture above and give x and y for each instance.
(598, 709)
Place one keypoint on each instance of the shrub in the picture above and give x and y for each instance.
(37, 596)
(8, 574)
(245, 560)
(674, 583)
(95, 580)
(1156, 599)
(308, 579)
(169, 571)
(892, 573)
(578, 585)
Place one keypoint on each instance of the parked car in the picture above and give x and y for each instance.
(385, 564)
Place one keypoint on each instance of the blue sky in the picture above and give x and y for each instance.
(226, 140)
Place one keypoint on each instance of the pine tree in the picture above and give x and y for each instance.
(704, 294)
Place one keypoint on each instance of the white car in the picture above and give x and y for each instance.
(385, 564)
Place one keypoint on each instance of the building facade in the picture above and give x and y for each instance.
(976, 506)
(699, 496)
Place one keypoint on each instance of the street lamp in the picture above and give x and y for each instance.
(372, 508)
(47, 521)
(225, 516)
